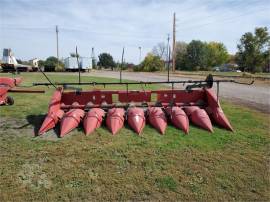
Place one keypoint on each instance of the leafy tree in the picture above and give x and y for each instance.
(196, 56)
(160, 50)
(151, 63)
(267, 60)
(41, 63)
(53, 62)
(217, 54)
(106, 60)
(180, 59)
(231, 58)
(253, 50)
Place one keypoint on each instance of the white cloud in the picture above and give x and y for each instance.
(28, 26)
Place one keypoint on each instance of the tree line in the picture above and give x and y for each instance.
(253, 54)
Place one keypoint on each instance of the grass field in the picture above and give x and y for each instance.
(199, 166)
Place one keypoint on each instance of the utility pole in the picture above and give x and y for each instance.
(122, 64)
(173, 45)
(168, 58)
(140, 54)
(57, 50)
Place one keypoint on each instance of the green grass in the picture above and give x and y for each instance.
(199, 166)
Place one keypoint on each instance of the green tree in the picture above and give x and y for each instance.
(196, 56)
(41, 63)
(232, 58)
(53, 62)
(106, 61)
(151, 63)
(180, 59)
(253, 50)
(217, 54)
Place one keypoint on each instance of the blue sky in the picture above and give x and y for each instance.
(28, 26)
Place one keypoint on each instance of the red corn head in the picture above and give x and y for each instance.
(93, 120)
(17, 81)
(199, 117)
(50, 121)
(3, 94)
(215, 111)
(10, 82)
(136, 119)
(70, 121)
(157, 119)
(55, 101)
(219, 117)
(115, 119)
(178, 118)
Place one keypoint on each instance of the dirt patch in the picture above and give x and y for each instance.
(25, 128)
(15, 127)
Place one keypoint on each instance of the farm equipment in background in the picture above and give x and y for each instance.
(11, 85)
(6, 84)
(10, 63)
(197, 104)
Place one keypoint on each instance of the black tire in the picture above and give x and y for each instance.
(9, 100)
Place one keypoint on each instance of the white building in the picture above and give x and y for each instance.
(8, 57)
(34, 62)
(71, 63)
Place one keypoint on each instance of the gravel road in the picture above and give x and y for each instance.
(254, 96)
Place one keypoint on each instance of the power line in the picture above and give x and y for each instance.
(143, 35)
(233, 6)
(221, 21)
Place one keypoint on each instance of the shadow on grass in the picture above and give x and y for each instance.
(36, 122)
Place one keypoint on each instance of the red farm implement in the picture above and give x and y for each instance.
(197, 103)
(10, 85)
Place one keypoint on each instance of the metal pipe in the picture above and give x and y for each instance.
(129, 83)
(126, 105)
(145, 82)
(14, 90)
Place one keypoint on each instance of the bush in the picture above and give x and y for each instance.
(151, 63)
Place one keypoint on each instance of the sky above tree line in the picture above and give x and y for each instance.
(28, 26)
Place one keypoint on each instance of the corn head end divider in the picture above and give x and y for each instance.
(197, 103)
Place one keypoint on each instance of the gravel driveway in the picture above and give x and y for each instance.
(254, 96)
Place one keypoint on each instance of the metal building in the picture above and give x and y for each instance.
(71, 64)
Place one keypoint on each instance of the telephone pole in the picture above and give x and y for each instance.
(57, 50)
(121, 67)
(140, 54)
(168, 58)
(173, 45)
